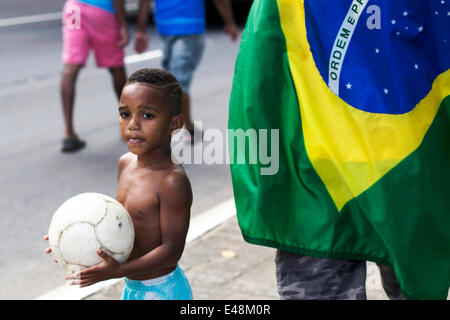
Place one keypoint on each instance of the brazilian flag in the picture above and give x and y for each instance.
(360, 93)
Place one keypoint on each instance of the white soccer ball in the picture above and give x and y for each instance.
(85, 223)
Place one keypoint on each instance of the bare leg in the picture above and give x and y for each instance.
(68, 81)
(119, 78)
(185, 108)
(390, 283)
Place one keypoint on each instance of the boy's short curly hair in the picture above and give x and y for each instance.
(160, 79)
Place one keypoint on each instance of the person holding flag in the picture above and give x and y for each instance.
(360, 93)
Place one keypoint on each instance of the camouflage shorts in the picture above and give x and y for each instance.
(310, 278)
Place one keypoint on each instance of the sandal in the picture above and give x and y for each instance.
(72, 145)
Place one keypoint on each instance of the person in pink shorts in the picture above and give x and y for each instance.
(100, 26)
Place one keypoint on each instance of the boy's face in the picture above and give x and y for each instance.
(145, 122)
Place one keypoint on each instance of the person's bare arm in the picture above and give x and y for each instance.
(225, 11)
(119, 6)
(141, 39)
(176, 201)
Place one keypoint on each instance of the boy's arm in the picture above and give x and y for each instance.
(224, 9)
(141, 39)
(176, 201)
(119, 6)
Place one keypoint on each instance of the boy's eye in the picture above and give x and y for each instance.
(148, 116)
(124, 114)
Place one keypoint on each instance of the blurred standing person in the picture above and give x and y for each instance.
(347, 187)
(99, 25)
(181, 25)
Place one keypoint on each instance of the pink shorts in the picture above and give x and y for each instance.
(85, 27)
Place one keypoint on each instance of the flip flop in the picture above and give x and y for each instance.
(72, 145)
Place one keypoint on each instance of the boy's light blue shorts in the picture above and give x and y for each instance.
(172, 286)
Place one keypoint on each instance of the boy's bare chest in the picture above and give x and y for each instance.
(139, 195)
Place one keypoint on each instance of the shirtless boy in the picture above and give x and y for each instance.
(155, 191)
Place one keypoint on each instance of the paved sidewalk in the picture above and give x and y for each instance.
(220, 265)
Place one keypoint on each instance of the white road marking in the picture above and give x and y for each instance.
(30, 19)
(143, 56)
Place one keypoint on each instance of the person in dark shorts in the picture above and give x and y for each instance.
(302, 277)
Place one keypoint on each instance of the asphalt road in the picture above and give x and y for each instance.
(35, 177)
(19, 8)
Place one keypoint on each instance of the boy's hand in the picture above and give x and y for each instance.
(108, 269)
(49, 250)
(140, 42)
